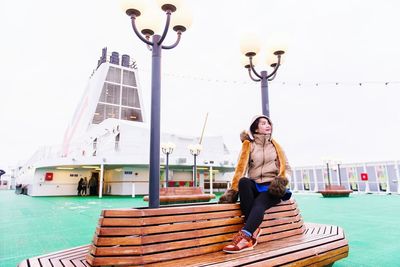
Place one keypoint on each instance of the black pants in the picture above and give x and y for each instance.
(253, 203)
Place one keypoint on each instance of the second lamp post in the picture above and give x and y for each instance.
(167, 149)
(195, 151)
(250, 48)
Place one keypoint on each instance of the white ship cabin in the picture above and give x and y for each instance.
(108, 141)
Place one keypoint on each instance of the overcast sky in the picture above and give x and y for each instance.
(49, 49)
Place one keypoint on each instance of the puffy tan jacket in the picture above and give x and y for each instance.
(262, 159)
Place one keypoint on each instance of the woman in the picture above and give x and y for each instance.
(80, 188)
(265, 185)
(84, 186)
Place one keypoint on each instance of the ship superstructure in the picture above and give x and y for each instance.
(108, 140)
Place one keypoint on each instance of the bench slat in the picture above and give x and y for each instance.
(34, 262)
(169, 210)
(164, 247)
(121, 231)
(194, 241)
(60, 258)
(280, 221)
(211, 207)
(304, 258)
(165, 237)
(129, 231)
(23, 263)
(54, 259)
(180, 190)
(184, 250)
(202, 229)
(78, 262)
(273, 249)
(73, 259)
(168, 219)
(274, 236)
(174, 218)
(165, 256)
(322, 259)
(184, 197)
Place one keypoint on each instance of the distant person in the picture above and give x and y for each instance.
(93, 183)
(259, 179)
(84, 186)
(80, 187)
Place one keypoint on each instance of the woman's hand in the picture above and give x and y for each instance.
(278, 186)
(230, 196)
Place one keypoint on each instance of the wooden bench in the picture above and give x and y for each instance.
(195, 235)
(335, 191)
(171, 195)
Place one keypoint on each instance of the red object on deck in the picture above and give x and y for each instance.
(364, 176)
(48, 176)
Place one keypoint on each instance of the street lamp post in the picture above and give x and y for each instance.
(195, 151)
(210, 174)
(327, 171)
(338, 169)
(250, 48)
(167, 149)
(133, 10)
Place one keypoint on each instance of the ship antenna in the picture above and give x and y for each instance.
(204, 127)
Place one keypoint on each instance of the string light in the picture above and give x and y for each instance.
(275, 83)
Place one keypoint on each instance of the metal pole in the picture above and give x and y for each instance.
(315, 179)
(387, 179)
(194, 172)
(397, 164)
(154, 181)
(211, 179)
(367, 190)
(295, 187)
(264, 93)
(101, 180)
(327, 170)
(338, 170)
(167, 170)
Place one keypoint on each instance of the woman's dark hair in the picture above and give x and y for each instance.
(254, 126)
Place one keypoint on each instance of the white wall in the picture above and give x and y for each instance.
(119, 181)
(182, 176)
(61, 185)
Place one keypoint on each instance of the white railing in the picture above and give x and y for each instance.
(109, 147)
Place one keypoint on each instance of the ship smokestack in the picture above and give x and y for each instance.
(125, 60)
(114, 59)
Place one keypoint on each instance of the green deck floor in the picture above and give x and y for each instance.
(31, 226)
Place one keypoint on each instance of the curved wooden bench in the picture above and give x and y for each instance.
(172, 195)
(335, 191)
(195, 235)
(320, 245)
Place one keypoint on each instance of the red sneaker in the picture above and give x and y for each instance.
(241, 242)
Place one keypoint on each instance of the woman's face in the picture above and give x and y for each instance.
(264, 127)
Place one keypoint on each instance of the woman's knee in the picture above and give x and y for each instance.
(245, 182)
